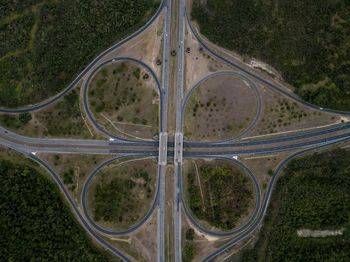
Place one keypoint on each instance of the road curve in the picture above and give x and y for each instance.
(75, 209)
(252, 86)
(256, 76)
(244, 225)
(86, 102)
(101, 229)
(55, 98)
(266, 201)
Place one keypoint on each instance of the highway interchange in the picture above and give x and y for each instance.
(173, 149)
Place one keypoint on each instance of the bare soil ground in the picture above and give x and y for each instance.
(201, 244)
(147, 46)
(198, 62)
(124, 99)
(280, 114)
(262, 166)
(73, 169)
(63, 118)
(220, 108)
(122, 209)
(140, 245)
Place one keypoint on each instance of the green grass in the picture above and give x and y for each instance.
(120, 93)
(35, 223)
(313, 193)
(62, 119)
(307, 41)
(122, 195)
(226, 191)
(44, 45)
(189, 250)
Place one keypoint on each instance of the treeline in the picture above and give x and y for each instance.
(35, 223)
(313, 193)
(69, 35)
(60, 119)
(307, 41)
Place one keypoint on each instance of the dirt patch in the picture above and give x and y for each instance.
(73, 169)
(219, 108)
(124, 98)
(198, 61)
(319, 233)
(280, 114)
(195, 245)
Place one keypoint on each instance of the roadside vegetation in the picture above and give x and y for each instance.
(189, 250)
(124, 98)
(313, 193)
(121, 195)
(307, 41)
(219, 194)
(35, 223)
(281, 114)
(73, 168)
(45, 44)
(62, 119)
(216, 110)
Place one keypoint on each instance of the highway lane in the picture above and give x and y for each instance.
(269, 150)
(256, 76)
(178, 146)
(266, 201)
(101, 146)
(25, 140)
(55, 98)
(75, 209)
(165, 64)
(271, 140)
(136, 148)
(161, 214)
(106, 147)
(163, 136)
(73, 146)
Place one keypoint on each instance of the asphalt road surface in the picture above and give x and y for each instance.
(175, 149)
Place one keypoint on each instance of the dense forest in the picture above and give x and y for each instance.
(35, 223)
(227, 195)
(307, 41)
(313, 193)
(45, 44)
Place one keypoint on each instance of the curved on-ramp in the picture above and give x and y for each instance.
(251, 216)
(87, 106)
(263, 209)
(76, 211)
(132, 228)
(250, 73)
(252, 86)
(55, 98)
